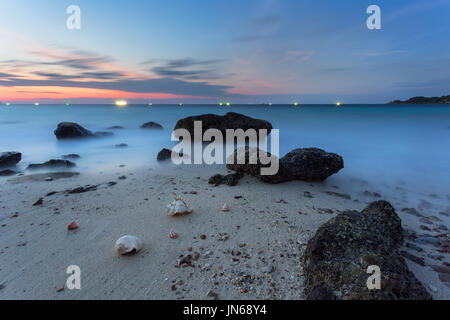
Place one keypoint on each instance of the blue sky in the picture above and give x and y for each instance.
(207, 51)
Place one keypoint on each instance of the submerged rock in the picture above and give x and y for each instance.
(151, 125)
(166, 154)
(52, 164)
(10, 158)
(231, 120)
(43, 176)
(71, 156)
(337, 257)
(71, 130)
(115, 128)
(7, 172)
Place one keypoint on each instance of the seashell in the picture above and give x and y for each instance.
(178, 207)
(173, 234)
(225, 208)
(72, 226)
(128, 244)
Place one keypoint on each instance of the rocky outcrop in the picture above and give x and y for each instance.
(337, 258)
(151, 125)
(310, 164)
(51, 164)
(231, 120)
(10, 158)
(71, 130)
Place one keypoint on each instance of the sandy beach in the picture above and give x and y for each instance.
(251, 252)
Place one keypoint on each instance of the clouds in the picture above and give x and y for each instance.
(186, 68)
(83, 69)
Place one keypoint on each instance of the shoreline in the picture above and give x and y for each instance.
(234, 260)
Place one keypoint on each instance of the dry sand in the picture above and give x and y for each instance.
(251, 252)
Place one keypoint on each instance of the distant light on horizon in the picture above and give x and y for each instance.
(228, 104)
(296, 104)
(338, 104)
(221, 104)
(36, 104)
(121, 103)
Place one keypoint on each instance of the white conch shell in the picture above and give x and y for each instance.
(177, 207)
(128, 244)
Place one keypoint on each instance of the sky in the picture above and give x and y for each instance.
(203, 51)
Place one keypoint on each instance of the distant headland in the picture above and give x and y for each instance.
(424, 100)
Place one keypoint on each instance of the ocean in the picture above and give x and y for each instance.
(385, 147)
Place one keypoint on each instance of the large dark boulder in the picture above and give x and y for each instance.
(51, 164)
(71, 130)
(151, 125)
(11, 158)
(337, 257)
(311, 164)
(231, 120)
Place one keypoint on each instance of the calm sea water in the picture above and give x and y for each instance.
(384, 145)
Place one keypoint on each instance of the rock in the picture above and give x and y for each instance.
(38, 202)
(229, 179)
(43, 176)
(128, 244)
(71, 156)
(337, 257)
(72, 226)
(52, 164)
(151, 125)
(309, 164)
(231, 120)
(241, 164)
(71, 130)
(7, 172)
(340, 195)
(11, 158)
(114, 128)
(88, 188)
(121, 145)
(49, 179)
(103, 133)
(166, 154)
